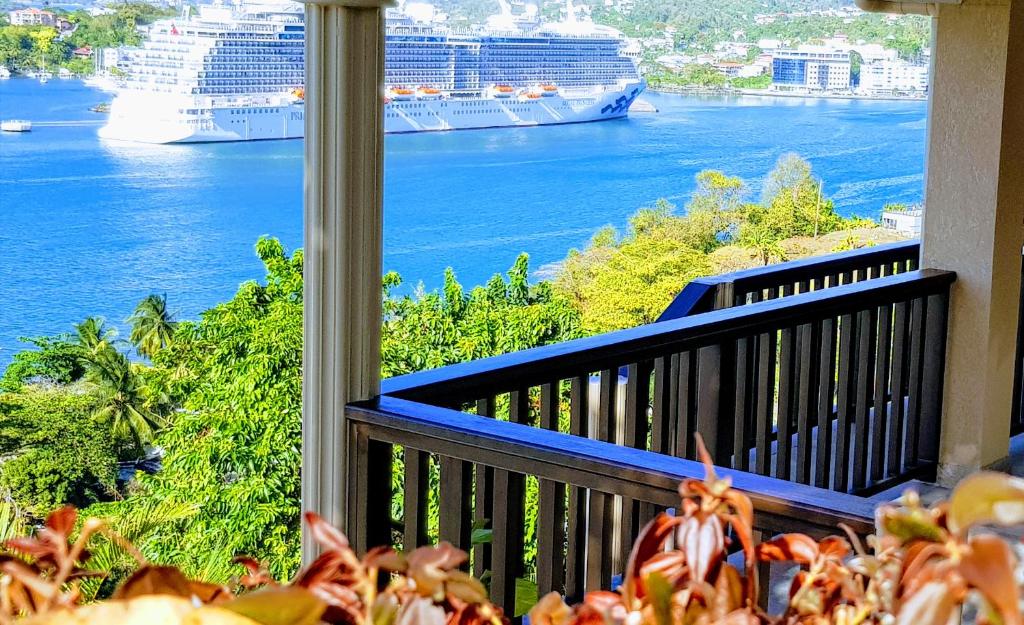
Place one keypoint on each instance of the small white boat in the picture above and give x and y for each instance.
(4, 72)
(16, 125)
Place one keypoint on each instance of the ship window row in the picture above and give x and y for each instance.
(236, 74)
(252, 58)
(275, 43)
(236, 67)
(270, 81)
(235, 90)
(254, 111)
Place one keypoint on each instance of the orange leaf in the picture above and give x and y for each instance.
(325, 534)
(154, 580)
(988, 565)
(704, 545)
(650, 541)
(789, 548)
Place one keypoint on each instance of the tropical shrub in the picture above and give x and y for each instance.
(41, 577)
(53, 452)
(924, 565)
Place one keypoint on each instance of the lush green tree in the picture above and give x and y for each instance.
(55, 360)
(232, 450)
(54, 454)
(152, 325)
(623, 282)
(793, 204)
(428, 330)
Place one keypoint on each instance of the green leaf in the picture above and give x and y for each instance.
(526, 596)
(481, 537)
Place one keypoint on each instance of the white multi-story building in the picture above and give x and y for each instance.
(31, 17)
(896, 76)
(811, 68)
(906, 222)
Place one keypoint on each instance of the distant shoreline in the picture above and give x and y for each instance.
(782, 94)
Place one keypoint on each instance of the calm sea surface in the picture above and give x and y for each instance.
(88, 227)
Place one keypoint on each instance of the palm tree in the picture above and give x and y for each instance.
(93, 336)
(758, 240)
(124, 398)
(152, 325)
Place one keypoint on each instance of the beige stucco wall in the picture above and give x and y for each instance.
(974, 219)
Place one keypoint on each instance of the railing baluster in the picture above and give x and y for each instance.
(784, 419)
(661, 430)
(509, 495)
(917, 337)
(575, 555)
(765, 402)
(806, 392)
(416, 487)
(900, 353)
(599, 548)
(826, 394)
(455, 505)
(507, 537)
(372, 461)
(880, 425)
(551, 504)
(936, 312)
(847, 357)
(638, 390)
(866, 324)
(684, 404)
(483, 497)
(742, 404)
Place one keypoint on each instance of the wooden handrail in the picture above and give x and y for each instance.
(712, 292)
(780, 506)
(469, 381)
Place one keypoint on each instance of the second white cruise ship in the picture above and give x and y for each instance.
(235, 73)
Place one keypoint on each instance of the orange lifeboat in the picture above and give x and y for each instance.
(299, 94)
(428, 93)
(401, 93)
(548, 90)
(503, 91)
(533, 96)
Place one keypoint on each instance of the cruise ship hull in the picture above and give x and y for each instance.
(138, 119)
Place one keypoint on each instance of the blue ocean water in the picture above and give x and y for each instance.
(89, 228)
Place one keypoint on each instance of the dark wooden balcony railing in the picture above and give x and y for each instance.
(839, 388)
(810, 401)
(799, 276)
(592, 496)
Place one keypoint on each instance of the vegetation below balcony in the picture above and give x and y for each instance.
(220, 396)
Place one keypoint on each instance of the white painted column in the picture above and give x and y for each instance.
(343, 239)
(974, 219)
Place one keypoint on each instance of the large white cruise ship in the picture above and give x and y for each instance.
(235, 73)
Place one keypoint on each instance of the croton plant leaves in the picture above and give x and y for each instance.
(921, 568)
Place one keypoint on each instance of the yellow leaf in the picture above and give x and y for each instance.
(145, 610)
(277, 605)
(986, 497)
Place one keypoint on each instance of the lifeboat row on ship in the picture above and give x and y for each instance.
(404, 94)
